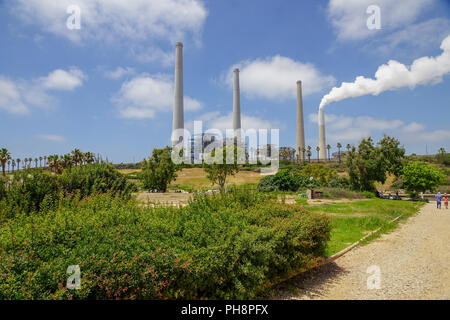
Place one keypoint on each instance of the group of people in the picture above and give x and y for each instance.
(439, 198)
(383, 195)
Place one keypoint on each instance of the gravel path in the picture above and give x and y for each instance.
(414, 262)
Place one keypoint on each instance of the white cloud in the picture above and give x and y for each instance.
(349, 17)
(51, 137)
(119, 73)
(346, 129)
(143, 96)
(275, 78)
(63, 80)
(11, 99)
(17, 96)
(419, 37)
(130, 22)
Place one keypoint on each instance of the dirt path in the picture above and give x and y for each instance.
(414, 262)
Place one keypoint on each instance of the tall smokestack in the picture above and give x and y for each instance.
(322, 141)
(236, 105)
(300, 123)
(178, 109)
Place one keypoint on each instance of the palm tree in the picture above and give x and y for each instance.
(30, 161)
(35, 162)
(18, 163)
(329, 148)
(13, 164)
(318, 150)
(89, 157)
(4, 157)
(40, 162)
(53, 163)
(303, 153)
(309, 153)
(339, 146)
(9, 164)
(25, 160)
(67, 161)
(349, 147)
(45, 160)
(77, 156)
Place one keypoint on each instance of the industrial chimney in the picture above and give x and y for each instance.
(300, 123)
(322, 141)
(178, 109)
(236, 106)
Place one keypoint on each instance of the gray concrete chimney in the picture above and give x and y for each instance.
(300, 123)
(178, 109)
(322, 140)
(236, 105)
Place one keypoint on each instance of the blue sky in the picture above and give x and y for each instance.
(107, 87)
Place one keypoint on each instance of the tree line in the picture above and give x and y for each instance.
(56, 163)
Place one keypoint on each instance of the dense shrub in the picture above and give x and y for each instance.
(340, 182)
(95, 178)
(26, 190)
(223, 246)
(320, 173)
(159, 170)
(29, 189)
(284, 180)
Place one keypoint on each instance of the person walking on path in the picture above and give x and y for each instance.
(446, 201)
(438, 199)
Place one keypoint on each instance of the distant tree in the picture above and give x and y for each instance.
(54, 163)
(318, 153)
(303, 153)
(45, 160)
(36, 162)
(421, 177)
(339, 146)
(329, 148)
(4, 157)
(77, 157)
(349, 147)
(217, 173)
(66, 161)
(309, 153)
(18, 163)
(366, 165)
(89, 157)
(159, 170)
(284, 154)
(13, 165)
(319, 172)
(393, 154)
(9, 165)
(40, 162)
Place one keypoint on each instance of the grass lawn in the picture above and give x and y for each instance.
(353, 220)
(196, 178)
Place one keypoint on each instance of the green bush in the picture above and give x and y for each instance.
(368, 194)
(284, 180)
(95, 178)
(222, 246)
(30, 189)
(421, 177)
(26, 191)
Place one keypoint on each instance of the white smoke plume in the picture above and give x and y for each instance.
(395, 75)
